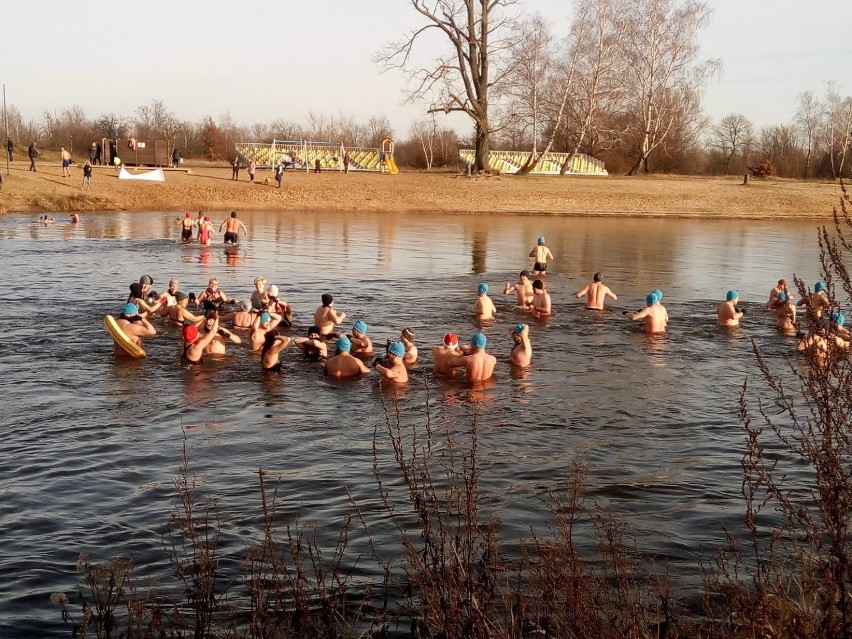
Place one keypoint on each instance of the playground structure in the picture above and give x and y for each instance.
(303, 154)
(550, 164)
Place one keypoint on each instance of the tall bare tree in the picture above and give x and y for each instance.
(478, 33)
(425, 133)
(662, 68)
(837, 130)
(808, 120)
(732, 134)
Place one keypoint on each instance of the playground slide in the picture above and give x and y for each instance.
(392, 166)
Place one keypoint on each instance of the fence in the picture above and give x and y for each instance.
(550, 164)
(303, 154)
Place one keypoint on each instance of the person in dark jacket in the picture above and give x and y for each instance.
(32, 153)
(175, 158)
(10, 146)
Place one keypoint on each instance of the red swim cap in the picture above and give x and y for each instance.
(188, 214)
(190, 333)
(206, 219)
(451, 339)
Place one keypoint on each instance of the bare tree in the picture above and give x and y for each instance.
(424, 131)
(156, 121)
(111, 125)
(478, 34)
(808, 120)
(837, 130)
(281, 129)
(662, 67)
(731, 135)
(780, 145)
(378, 128)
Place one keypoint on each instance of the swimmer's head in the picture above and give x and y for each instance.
(327, 299)
(782, 283)
(273, 291)
(541, 240)
(479, 340)
(137, 290)
(233, 214)
(538, 285)
(360, 326)
(519, 328)
(838, 318)
(451, 340)
(130, 309)
(482, 288)
(597, 277)
(525, 273)
(180, 297)
(188, 214)
(732, 296)
(260, 282)
(190, 333)
(819, 287)
(408, 333)
(658, 293)
(314, 330)
(206, 219)
(396, 348)
(265, 318)
(343, 344)
(245, 305)
(173, 284)
(213, 282)
(782, 295)
(146, 279)
(651, 299)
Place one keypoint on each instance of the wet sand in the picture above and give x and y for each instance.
(211, 188)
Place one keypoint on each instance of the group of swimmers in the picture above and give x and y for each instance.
(206, 229)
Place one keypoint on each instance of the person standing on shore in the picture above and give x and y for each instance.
(346, 159)
(176, 158)
(251, 169)
(87, 175)
(93, 152)
(65, 157)
(235, 168)
(32, 153)
(98, 154)
(10, 146)
(279, 173)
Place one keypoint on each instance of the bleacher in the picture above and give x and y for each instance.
(550, 164)
(297, 154)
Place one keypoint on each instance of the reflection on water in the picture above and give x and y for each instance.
(92, 443)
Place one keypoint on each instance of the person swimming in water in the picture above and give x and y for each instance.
(596, 293)
(260, 297)
(327, 318)
(478, 364)
(277, 305)
(270, 352)
(194, 343)
(213, 297)
(728, 312)
(521, 354)
(218, 343)
(444, 353)
(541, 254)
(816, 301)
(362, 345)
(773, 294)
(313, 346)
(407, 339)
(243, 318)
(179, 315)
(393, 369)
(134, 325)
(654, 315)
(540, 305)
(785, 313)
(484, 308)
(522, 289)
(343, 364)
(263, 323)
(186, 226)
(232, 228)
(205, 232)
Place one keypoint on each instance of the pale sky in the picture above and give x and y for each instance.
(259, 60)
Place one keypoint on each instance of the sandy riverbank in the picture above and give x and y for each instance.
(211, 188)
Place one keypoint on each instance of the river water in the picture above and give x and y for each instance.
(91, 443)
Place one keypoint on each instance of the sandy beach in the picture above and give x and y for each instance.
(211, 188)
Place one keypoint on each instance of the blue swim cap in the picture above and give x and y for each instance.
(483, 289)
(541, 240)
(361, 327)
(519, 328)
(265, 317)
(782, 296)
(651, 299)
(130, 309)
(732, 295)
(396, 348)
(819, 287)
(658, 293)
(838, 317)
(479, 340)
(343, 344)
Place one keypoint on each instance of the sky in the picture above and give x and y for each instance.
(260, 60)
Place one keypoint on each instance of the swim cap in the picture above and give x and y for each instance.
(408, 333)
(146, 279)
(130, 309)
(396, 348)
(273, 291)
(361, 327)
(483, 289)
(838, 317)
(819, 287)
(265, 318)
(188, 214)
(173, 282)
(651, 299)
(343, 344)
(190, 333)
(181, 296)
(541, 240)
(782, 296)
(519, 328)
(732, 295)
(314, 330)
(479, 340)
(245, 305)
(451, 339)
(206, 219)
(658, 293)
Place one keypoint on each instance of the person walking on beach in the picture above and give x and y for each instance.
(251, 169)
(98, 154)
(596, 293)
(32, 153)
(346, 160)
(93, 152)
(176, 158)
(232, 228)
(729, 314)
(10, 146)
(279, 173)
(235, 168)
(87, 175)
(541, 254)
(65, 157)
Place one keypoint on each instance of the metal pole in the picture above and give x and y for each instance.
(6, 128)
